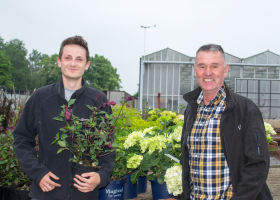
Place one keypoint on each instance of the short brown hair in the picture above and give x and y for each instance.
(77, 40)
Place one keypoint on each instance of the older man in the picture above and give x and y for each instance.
(224, 149)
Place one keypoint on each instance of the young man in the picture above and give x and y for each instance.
(51, 171)
(224, 149)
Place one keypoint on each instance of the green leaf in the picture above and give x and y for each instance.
(4, 155)
(114, 144)
(12, 165)
(71, 102)
(160, 178)
(151, 177)
(62, 143)
(154, 162)
(3, 162)
(54, 141)
(59, 150)
(89, 107)
(91, 151)
(63, 136)
(83, 149)
(134, 177)
(58, 119)
(63, 130)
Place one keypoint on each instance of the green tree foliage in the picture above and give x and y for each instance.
(6, 70)
(16, 52)
(49, 72)
(102, 75)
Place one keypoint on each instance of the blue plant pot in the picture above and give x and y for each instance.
(142, 184)
(130, 191)
(113, 191)
(160, 190)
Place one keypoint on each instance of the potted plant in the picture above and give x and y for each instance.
(115, 189)
(90, 138)
(153, 144)
(12, 178)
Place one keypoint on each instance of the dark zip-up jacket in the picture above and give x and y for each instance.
(37, 119)
(244, 143)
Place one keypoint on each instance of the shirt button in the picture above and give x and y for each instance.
(195, 155)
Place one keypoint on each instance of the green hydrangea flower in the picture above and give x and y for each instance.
(134, 161)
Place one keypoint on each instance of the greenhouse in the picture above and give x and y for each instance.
(166, 75)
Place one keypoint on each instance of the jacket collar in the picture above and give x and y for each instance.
(76, 94)
(191, 98)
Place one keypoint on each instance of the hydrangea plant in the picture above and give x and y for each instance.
(269, 131)
(153, 143)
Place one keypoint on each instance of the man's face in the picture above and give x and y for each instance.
(73, 62)
(210, 71)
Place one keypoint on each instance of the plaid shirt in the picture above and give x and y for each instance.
(209, 172)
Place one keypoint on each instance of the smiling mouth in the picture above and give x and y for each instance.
(208, 79)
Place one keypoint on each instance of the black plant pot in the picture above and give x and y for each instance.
(79, 170)
(1, 193)
(11, 193)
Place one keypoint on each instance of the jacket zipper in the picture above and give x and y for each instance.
(258, 144)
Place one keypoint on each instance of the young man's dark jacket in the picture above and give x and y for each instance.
(244, 143)
(37, 118)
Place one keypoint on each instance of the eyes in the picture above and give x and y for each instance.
(77, 59)
(204, 66)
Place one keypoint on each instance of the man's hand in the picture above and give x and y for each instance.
(47, 184)
(87, 184)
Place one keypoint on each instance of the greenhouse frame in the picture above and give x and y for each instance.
(171, 74)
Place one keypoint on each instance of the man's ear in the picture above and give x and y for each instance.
(87, 65)
(58, 62)
(226, 70)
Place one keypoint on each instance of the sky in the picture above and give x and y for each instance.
(112, 27)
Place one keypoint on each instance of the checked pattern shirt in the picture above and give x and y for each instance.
(209, 171)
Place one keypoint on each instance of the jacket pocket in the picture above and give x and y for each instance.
(258, 143)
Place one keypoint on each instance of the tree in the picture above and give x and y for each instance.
(35, 60)
(49, 72)
(102, 75)
(16, 52)
(6, 70)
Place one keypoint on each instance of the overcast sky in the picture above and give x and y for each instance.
(112, 27)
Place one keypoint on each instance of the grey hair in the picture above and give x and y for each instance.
(211, 47)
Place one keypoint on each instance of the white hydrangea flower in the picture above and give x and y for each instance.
(173, 179)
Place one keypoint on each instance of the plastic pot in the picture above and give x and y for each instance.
(113, 191)
(130, 191)
(159, 190)
(79, 170)
(142, 184)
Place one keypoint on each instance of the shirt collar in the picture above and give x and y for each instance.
(218, 97)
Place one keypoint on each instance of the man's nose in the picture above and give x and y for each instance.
(73, 62)
(208, 71)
